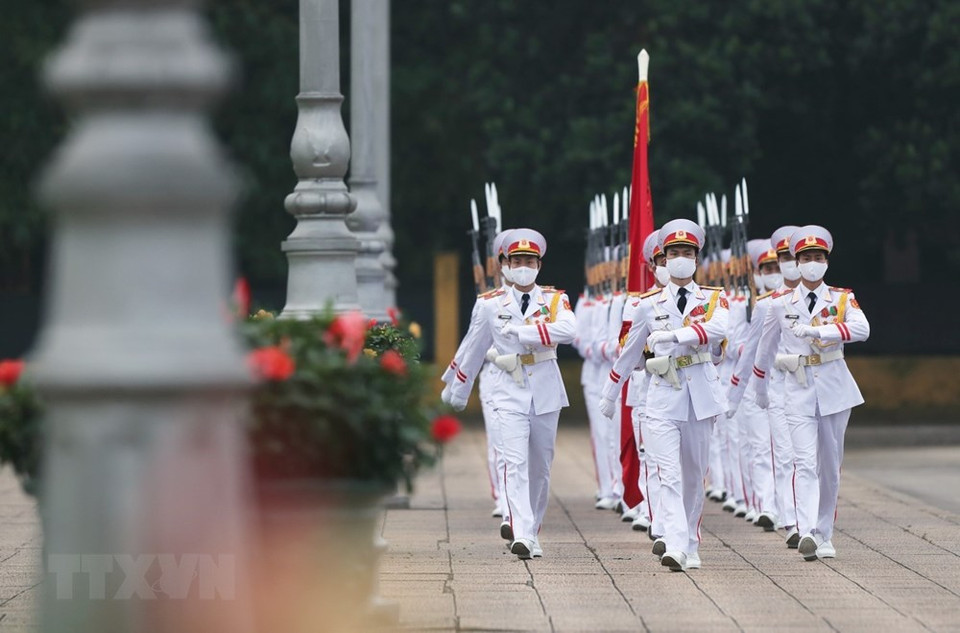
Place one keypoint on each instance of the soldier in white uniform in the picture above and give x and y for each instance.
(680, 324)
(648, 512)
(813, 323)
(754, 421)
(485, 379)
(525, 324)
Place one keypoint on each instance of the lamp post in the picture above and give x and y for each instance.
(380, 53)
(367, 33)
(321, 250)
(142, 378)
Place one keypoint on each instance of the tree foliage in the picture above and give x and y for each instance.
(837, 113)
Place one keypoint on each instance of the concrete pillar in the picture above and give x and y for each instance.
(366, 71)
(380, 56)
(321, 250)
(142, 377)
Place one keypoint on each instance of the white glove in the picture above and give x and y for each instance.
(661, 336)
(510, 330)
(607, 407)
(445, 395)
(459, 403)
(763, 398)
(805, 331)
(491, 354)
(732, 411)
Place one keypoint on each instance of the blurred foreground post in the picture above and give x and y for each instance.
(144, 490)
(365, 44)
(380, 55)
(321, 250)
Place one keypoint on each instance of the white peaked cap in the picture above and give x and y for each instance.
(760, 252)
(810, 237)
(525, 242)
(681, 232)
(780, 240)
(651, 246)
(499, 240)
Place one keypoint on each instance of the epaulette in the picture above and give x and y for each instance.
(766, 294)
(490, 294)
(835, 289)
(712, 288)
(552, 289)
(777, 294)
(635, 293)
(650, 293)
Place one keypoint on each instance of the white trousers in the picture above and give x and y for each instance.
(782, 465)
(818, 454)
(494, 455)
(715, 472)
(756, 427)
(613, 448)
(680, 449)
(736, 488)
(649, 478)
(600, 439)
(528, 447)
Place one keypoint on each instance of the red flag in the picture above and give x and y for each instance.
(639, 277)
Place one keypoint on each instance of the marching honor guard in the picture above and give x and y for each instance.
(648, 513)
(811, 325)
(524, 325)
(680, 324)
(485, 379)
(754, 421)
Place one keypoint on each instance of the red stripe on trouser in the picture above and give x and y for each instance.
(793, 485)
(629, 457)
(646, 472)
(699, 521)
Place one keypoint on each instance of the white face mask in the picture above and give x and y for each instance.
(757, 281)
(506, 273)
(523, 276)
(681, 267)
(813, 271)
(662, 275)
(789, 270)
(772, 280)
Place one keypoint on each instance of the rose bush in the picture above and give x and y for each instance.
(341, 397)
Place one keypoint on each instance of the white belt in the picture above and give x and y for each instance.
(513, 363)
(666, 366)
(794, 363)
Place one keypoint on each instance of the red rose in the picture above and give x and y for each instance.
(444, 428)
(10, 371)
(271, 363)
(393, 362)
(348, 332)
(393, 314)
(241, 298)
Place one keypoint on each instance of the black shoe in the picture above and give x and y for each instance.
(506, 531)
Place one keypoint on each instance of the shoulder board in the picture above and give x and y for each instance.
(491, 294)
(547, 288)
(635, 293)
(777, 294)
(841, 289)
(650, 293)
(711, 288)
(765, 295)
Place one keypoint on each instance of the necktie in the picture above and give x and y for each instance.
(811, 301)
(524, 302)
(682, 301)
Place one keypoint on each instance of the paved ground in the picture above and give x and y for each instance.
(898, 567)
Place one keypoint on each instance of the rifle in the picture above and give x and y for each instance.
(478, 278)
(490, 233)
(739, 257)
(625, 239)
